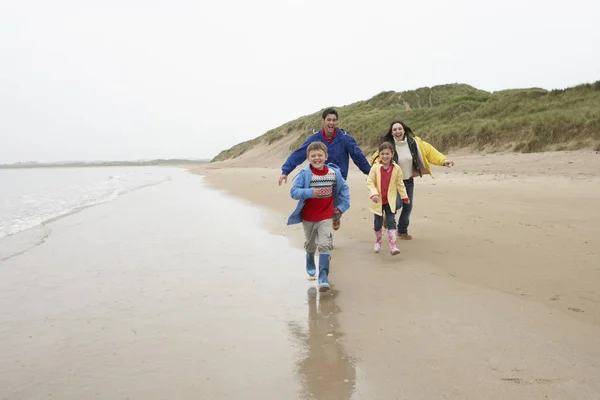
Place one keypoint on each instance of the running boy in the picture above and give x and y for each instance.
(321, 190)
(384, 182)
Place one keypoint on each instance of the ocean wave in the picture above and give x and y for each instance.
(43, 202)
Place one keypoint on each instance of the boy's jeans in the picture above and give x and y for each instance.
(318, 236)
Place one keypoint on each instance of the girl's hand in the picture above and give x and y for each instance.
(448, 163)
(375, 199)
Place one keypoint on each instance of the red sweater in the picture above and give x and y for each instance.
(321, 207)
(386, 176)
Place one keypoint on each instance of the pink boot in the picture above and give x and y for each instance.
(392, 238)
(377, 246)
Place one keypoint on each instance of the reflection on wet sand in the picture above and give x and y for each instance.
(326, 372)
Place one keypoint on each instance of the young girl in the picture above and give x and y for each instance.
(384, 183)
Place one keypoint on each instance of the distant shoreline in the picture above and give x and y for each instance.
(79, 164)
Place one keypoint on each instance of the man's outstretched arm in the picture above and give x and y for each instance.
(357, 156)
(295, 159)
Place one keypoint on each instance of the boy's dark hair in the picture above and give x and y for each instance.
(328, 111)
(316, 146)
(386, 145)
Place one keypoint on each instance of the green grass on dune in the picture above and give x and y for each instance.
(459, 116)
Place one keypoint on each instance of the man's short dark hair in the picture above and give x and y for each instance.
(328, 111)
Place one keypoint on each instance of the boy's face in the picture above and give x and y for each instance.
(386, 156)
(317, 159)
(329, 124)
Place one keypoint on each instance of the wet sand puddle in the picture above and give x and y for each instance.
(169, 292)
(325, 370)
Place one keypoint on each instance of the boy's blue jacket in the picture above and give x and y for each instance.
(301, 191)
(342, 146)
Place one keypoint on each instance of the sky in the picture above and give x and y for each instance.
(133, 79)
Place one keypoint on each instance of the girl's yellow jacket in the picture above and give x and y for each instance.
(396, 185)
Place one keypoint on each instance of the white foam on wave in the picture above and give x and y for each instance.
(42, 203)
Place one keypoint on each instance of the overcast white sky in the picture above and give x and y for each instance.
(128, 79)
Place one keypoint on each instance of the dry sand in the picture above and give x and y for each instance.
(497, 296)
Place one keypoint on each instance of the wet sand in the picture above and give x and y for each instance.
(156, 295)
(497, 297)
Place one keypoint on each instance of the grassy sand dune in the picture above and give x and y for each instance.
(459, 116)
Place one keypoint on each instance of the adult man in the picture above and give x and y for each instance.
(340, 147)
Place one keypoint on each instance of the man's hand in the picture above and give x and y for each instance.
(282, 178)
(375, 199)
(448, 163)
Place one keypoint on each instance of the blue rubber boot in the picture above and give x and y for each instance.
(324, 272)
(311, 268)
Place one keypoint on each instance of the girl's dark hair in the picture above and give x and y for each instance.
(390, 138)
(386, 145)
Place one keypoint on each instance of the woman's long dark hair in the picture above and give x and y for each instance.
(390, 138)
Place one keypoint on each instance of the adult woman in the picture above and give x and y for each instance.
(414, 157)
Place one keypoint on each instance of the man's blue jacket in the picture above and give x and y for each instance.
(339, 150)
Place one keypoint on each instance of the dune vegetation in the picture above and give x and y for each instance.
(459, 116)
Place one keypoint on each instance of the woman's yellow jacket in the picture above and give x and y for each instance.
(427, 155)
